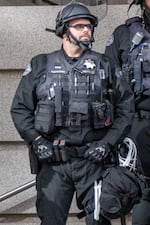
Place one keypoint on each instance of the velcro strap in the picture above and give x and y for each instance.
(87, 210)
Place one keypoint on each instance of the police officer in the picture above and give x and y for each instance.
(129, 49)
(71, 111)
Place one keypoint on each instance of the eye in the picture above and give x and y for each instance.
(82, 26)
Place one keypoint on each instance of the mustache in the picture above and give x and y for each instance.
(85, 35)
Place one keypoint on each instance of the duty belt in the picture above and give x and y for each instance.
(143, 114)
(64, 153)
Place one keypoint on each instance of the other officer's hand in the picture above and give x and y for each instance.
(97, 151)
(43, 148)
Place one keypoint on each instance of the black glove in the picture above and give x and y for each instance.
(97, 151)
(43, 148)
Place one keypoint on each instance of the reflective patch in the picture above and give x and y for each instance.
(102, 74)
(89, 64)
(110, 40)
(27, 70)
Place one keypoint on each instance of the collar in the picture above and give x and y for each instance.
(71, 60)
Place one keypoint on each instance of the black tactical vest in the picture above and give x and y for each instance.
(73, 95)
(140, 56)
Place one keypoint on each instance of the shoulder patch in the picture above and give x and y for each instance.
(27, 70)
(110, 40)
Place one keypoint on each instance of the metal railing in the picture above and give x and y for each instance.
(17, 190)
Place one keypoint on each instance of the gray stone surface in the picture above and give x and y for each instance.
(23, 32)
(8, 84)
(15, 171)
(41, 2)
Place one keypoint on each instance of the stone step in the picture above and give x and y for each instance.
(29, 219)
(116, 222)
(69, 223)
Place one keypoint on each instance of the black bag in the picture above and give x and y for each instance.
(121, 189)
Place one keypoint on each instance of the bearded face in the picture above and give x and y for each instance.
(147, 9)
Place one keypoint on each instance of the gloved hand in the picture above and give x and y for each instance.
(43, 148)
(97, 151)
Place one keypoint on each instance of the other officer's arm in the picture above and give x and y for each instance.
(117, 46)
(123, 104)
(123, 111)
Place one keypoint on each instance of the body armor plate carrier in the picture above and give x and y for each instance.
(73, 95)
(140, 57)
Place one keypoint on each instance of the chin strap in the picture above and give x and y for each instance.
(50, 30)
(82, 44)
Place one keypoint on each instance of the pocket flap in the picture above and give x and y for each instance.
(79, 107)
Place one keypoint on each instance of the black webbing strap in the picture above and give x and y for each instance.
(123, 220)
(87, 210)
(137, 70)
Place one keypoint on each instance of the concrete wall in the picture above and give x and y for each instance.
(46, 2)
(22, 35)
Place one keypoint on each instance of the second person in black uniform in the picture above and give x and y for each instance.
(63, 109)
(129, 49)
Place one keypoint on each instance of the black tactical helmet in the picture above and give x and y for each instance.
(73, 11)
(137, 2)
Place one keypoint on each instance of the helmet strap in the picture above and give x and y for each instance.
(82, 44)
(136, 2)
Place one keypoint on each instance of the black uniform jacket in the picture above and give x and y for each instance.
(117, 49)
(118, 46)
(25, 101)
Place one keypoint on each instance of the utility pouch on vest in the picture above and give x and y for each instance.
(102, 114)
(146, 60)
(146, 67)
(127, 71)
(78, 112)
(45, 117)
(146, 71)
(146, 54)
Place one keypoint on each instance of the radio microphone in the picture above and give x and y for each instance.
(136, 40)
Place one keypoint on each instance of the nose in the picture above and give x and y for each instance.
(86, 29)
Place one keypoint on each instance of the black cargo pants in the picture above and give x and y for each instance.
(141, 135)
(56, 185)
(141, 213)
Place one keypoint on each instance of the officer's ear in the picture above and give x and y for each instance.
(64, 35)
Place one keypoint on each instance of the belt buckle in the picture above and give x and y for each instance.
(80, 151)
